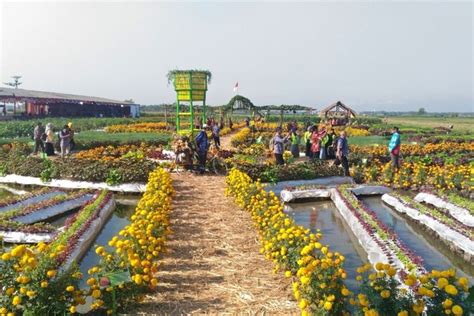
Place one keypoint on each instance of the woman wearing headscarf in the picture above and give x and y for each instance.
(49, 142)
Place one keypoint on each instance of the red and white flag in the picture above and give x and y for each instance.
(236, 87)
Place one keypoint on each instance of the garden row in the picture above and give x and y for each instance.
(318, 273)
(32, 275)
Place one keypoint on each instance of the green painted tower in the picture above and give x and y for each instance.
(191, 88)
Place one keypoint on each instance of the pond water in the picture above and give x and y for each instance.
(434, 253)
(324, 216)
(119, 219)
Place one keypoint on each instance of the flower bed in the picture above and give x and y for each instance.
(130, 170)
(136, 248)
(460, 214)
(454, 234)
(112, 153)
(274, 173)
(138, 128)
(417, 176)
(319, 274)
(22, 225)
(15, 200)
(29, 275)
(387, 239)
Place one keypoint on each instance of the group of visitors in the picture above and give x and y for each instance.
(320, 144)
(44, 139)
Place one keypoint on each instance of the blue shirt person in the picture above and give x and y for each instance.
(394, 148)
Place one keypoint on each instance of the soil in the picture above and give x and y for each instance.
(213, 264)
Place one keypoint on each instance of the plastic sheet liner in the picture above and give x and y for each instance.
(25, 238)
(288, 196)
(326, 181)
(370, 190)
(12, 190)
(70, 184)
(451, 237)
(374, 252)
(31, 200)
(52, 211)
(459, 213)
(88, 237)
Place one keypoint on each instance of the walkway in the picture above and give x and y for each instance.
(213, 264)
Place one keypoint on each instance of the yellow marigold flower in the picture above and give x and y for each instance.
(447, 303)
(51, 273)
(6, 256)
(288, 273)
(385, 293)
(463, 281)
(402, 313)
(72, 309)
(303, 304)
(442, 282)
(16, 301)
(70, 288)
(451, 289)
(345, 291)
(96, 294)
(379, 266)
(327, 306)
(419, 306)
(9, 291)
(457, 310)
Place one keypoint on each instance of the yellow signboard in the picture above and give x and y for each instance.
(182, 81)
(198, 95)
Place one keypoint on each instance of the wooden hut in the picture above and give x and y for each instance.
(337, 114)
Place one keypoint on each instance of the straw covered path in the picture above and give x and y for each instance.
(213, 264)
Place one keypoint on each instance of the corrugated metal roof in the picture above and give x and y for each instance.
(6, 93)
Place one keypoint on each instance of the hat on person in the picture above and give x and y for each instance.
(69, 124)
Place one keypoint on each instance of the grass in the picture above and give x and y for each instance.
(461, 124)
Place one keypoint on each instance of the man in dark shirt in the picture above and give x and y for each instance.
(202, 146)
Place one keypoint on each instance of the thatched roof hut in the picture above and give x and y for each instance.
(337, 110)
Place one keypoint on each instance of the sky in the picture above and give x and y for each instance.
(393, 56)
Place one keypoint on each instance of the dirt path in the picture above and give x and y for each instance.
(213, 264)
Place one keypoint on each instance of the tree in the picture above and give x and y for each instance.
(421, 111)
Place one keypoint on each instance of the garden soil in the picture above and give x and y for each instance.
(213, 264)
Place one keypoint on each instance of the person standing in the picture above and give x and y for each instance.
(295, 143)
(323, 139)
(247, 121)
(49, 142)
(278, 142)
(330, 145)
(315, 143)
(307, 141)
(342, 152)
(38, 138)
(394, 148)
(202, 146)
(64, 141)
(72, 143)
(215, 135)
